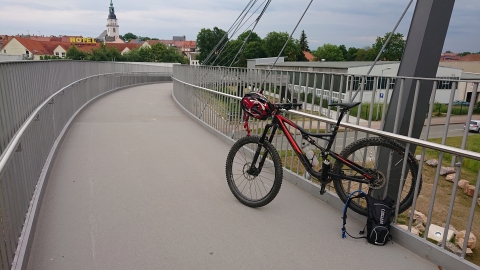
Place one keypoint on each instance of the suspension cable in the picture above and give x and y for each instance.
(383, 47)
(237, 22)
(285, 45)
(246, 39)
(240, 26)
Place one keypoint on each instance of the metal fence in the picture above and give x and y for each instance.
(38, 101)
(212, 94)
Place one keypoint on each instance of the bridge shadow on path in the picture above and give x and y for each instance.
(137, 184)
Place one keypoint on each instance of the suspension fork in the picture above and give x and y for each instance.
(255, 171)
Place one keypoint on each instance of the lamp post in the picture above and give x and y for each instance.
(378, 105)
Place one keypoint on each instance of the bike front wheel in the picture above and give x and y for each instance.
(254, 185)
(383, 158)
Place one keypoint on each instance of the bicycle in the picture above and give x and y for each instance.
(254, 169)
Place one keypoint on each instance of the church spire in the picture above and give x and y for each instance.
(111, 14)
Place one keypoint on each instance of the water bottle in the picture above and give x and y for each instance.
(309, 154)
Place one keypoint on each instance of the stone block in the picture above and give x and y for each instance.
(446, 170)
(432, 162)
(413, 230)
(462, 183)
(460, 238)
(435, 232)
(417, 215)
(450, 177)
(469, 190)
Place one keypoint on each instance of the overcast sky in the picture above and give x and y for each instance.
(354, 23)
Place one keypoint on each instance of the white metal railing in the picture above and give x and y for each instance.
(212, 95)
(38, 101)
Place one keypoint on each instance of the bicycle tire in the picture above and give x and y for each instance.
(253, 191)
(356, 152)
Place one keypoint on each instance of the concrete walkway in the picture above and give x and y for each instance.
(139, 185)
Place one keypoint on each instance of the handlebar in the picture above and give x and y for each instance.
(288, 106)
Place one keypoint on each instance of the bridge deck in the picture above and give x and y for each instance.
(139, 185)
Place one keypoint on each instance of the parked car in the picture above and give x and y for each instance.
(474, 126)
(460, 103)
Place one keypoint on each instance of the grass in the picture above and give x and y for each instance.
(470, 167)
(443, 194)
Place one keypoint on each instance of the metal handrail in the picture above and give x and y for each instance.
(13, 144)
(419, 142)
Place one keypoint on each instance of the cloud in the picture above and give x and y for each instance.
(352, 23)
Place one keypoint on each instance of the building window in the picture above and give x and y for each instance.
(113, 30)
(63, 54)
(367, 82)
(446, 84)
(4, 51)
(382, 83)
(57, 54)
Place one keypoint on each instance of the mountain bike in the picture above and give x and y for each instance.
(254, 168)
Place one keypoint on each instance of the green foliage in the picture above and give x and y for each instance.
(207, 40)
(50, 57)
(75, 54)
(129, 36)
(473, 144)
(351, 54)
(303, 42)
(441, 109)
(344, 51)
(329, 52)
(365, 54)
(156, 53)
(274, 42)
(254, 37)
(106, 54)
(394, 49)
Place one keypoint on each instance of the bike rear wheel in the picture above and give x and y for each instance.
(384, 158)
(253, 188)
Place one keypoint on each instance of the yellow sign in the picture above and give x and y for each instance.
(82, 40)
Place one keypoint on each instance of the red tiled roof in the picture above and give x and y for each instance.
(122, 46)
(470, 57)
(153, 42)
(87, 47)
(34, 46)
(309, 56)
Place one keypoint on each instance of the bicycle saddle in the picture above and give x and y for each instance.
(345, 105)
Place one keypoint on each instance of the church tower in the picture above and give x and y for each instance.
(112, 25)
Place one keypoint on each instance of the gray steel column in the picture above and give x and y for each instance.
(421, 57)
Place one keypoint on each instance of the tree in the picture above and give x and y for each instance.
(253, 37)
(274, 42)
(365, 54)
(344, 51)
(351, 54)
(329, 52)
(129, 36)
(394, 49)
(303, 42)
(207, 41)
(75, 54)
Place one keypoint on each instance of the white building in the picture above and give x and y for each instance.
(378, 77)
(112, 34)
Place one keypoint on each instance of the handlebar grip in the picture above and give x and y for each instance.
(297, 105)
